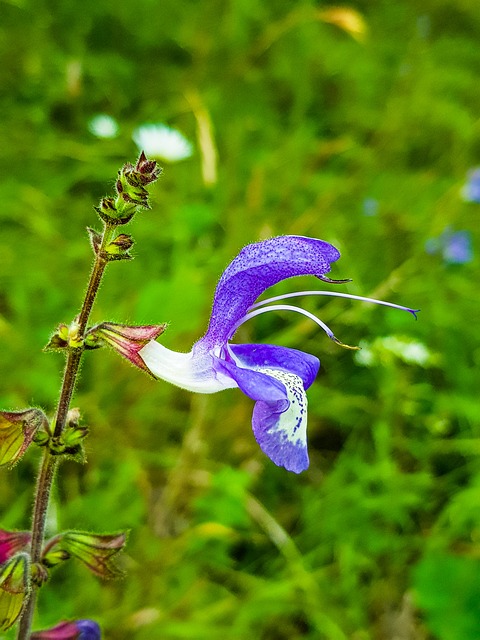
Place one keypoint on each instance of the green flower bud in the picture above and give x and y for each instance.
(52, 558)
(73, 437)
(70, 441)
(66, 336)
(118, 248)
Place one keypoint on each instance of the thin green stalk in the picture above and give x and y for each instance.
(49, 462)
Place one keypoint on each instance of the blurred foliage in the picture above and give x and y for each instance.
(356, 125)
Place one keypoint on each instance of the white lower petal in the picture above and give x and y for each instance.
(192, 371)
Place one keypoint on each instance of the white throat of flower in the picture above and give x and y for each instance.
(185, 370)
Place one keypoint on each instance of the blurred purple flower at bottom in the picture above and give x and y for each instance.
(471, 189)
(455, 247)
(76, 630)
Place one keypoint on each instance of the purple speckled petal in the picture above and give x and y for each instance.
(282, 433)
(256, 268)
(280, 414)
(302, 364)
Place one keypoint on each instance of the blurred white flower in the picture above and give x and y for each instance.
(405, 349)
(103, 126)
(161, 141)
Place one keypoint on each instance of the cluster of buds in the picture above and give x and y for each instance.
(18, 429)
(132, 194)
(71, 439)
(98, 552)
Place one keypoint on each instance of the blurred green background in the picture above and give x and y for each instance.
(357, 125)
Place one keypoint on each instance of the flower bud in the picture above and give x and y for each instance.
(131, 191)
(70, 441)
(96, 551)
(14, 586)
(127, 340)
(17, 430)
(118, 248)
(73, 437)
(42, 438)
(75, 630)
(66, 336)
(147, 170)
(52, 558)
(11, 542)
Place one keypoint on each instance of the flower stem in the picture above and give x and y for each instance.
(49, 462)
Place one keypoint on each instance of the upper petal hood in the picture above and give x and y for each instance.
(256, 268)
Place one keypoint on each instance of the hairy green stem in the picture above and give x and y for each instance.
(49, 462)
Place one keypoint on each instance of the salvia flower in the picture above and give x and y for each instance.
(455, 247)
(75, 630)
(275, 377)
(17, 430)
(11, 542)
(14, 586)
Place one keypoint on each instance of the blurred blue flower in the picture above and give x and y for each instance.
(471, 189)
(370, 207)
(455, 247)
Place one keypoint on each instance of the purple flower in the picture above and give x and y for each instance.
(458, 247)
(275, 377)
(454, 246)
(471, 189)
(76, 630)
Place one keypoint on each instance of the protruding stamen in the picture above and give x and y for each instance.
(335, 294)
(287, 307)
